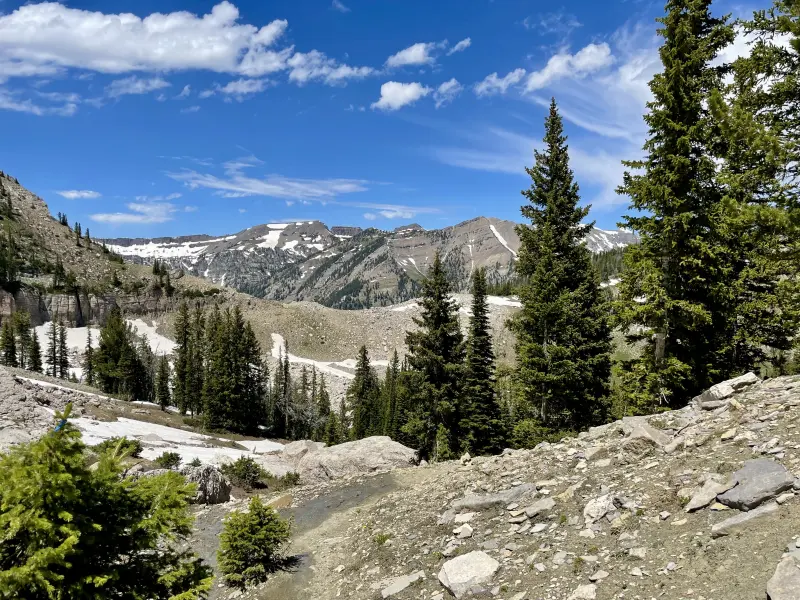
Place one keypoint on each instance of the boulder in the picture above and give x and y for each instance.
(707, 494)
(398, 584)
(482, 501)
(468, 574)
(714, 396)
(294, 452)
(785, 583)
(212, 486)
(741, 520)
(599, 507)
(370, 454)
(540, 506)
(584, 592)
(756, 482)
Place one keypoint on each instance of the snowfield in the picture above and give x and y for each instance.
(325, 367)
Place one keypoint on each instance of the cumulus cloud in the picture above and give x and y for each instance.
(46, 37)
(460, 46)
(75, 194)
(395, 95)
(140, 213)
(338, 6)
(314, 65)
(447, 92)
(238, 89)
(590, 58)
(185, 92)
(492, 84)
(135, 85)
(418, 54)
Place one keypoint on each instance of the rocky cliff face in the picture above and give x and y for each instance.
(346, 267)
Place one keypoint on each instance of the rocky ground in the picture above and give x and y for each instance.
(694, 504)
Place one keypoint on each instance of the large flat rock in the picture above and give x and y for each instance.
(756, 482)
(785, 583)
(470, 573)
(742, 520)
(377, 453)
(482, 501)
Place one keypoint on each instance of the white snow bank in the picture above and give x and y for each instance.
(324, 367)
(610, 283)
(503, 301)
(501, 239)
(158, 343)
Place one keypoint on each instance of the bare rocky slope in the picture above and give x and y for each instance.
(350, 269)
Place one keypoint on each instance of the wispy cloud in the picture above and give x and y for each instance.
(447, 92)
(75, 194)
(185, 92)
(135, 85)
(492, 84)
(460, 46)
(561, 23)
(421, 53)
(191, 109)
(338, 6)
(13, 101)
(236, 183)
(141, 213)
(316, 66)
(238, 89)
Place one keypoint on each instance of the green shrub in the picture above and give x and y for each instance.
(530, 432)
(196, 462)
(121, 446)
(245, 472)
(382, 538)
(67, 528)
(168, 460)
(251, 543)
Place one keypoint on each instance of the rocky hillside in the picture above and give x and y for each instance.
(699, 503)
(347, 269)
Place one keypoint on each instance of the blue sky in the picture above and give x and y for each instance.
(168, 118)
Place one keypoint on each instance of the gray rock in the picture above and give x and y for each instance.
(482, 501)
(398, 584)
(740, 521)
(584, 592)
(756, 482)
(377, 453)
(785, 583)
(294, 452)
(212, 486)
(540, 506)
(706, 494)
(468, 574)
(598, 508)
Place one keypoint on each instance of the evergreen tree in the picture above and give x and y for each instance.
(436, 351)
(88, 237)
(52, 350)
(481, 424)
(362, 397)
(183, 340)
(196, 361)
(162, 383)
(21, 324)
(63, 351)
(389, 398)
(34, 362)
(323, 406)
(672, 278)
(70, 531)
(563, 336)
(88, 359)
(124, 362)
(9, 344)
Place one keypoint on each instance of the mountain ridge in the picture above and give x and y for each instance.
(307, 260)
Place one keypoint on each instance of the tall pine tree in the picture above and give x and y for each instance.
(436, 352)
(63, 351)
(35, 354)
(183, 340)
(563, 335)
(481, 424)
(163, 397)
(8, 344)
(88, 359)
(52, 350)
(669, 293)
(362, 397)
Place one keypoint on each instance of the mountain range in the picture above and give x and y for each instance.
(344, 267)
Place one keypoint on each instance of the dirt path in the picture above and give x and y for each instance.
(320, 525)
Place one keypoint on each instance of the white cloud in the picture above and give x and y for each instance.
(337, 5)
(10, 100)
(395, 95)
(140, 213)
(389, 211)
(75, 194)
(314, 65)
(172, 196)
(242, 210)
(370, 216)
(590, 58)
(185, 92)
(493, 84)
(190, 109)
(418, 54)
(238, 89)
(46, 37)
(235, 184)
(460, 46)
(135, 85)
(551, 23)
(447, 92)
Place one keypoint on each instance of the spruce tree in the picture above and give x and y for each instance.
(88, 359)
(162, 383)
(389, 423)
(52, 350)
(436, 351)
(362, 397)
(196, 361)
(668, 293)
(9, 344)
(563, 337)
(63, 351)
(35, 354)
(481, 425)
(183, 340)
(21, 323)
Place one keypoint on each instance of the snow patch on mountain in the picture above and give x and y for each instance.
(501, 239)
